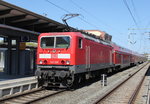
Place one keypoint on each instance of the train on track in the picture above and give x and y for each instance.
(67, 58)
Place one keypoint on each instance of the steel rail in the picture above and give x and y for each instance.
(135, 93)
(2, 100)
(19, 94)
(110, 92)
(40, 98)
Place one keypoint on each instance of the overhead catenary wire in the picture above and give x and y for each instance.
(140, 29)
(94, 17)
(134, 20)
(93, 25)
(87, 12)
(70, 13)
(126, 4)
(135, 11)
(57, 6)
(61, 8)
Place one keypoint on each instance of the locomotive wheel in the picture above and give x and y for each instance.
(72, 82)
(67, 82)
(77, 81)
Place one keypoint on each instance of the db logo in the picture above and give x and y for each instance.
(54, 56)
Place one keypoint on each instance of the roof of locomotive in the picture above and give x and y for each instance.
(80, 34)
(61, 33)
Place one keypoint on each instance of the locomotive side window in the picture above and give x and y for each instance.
(47, 42)
(80, 43)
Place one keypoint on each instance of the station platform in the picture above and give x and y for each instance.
(4, 76)
(11, 84)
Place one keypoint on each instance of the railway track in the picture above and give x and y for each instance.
(39, 94)
(125, 92)
(30, 96)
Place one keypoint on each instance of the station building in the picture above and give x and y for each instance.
(18, 26)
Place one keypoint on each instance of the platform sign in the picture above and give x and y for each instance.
(22, 46)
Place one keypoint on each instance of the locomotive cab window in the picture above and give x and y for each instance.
(47, 42)
(55, 42)
(80, 43)
(62, 42)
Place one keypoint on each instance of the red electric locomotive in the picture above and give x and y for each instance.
(65, 58)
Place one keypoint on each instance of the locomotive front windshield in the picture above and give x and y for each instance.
(55, 42)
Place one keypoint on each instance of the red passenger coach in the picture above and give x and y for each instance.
(122, 56)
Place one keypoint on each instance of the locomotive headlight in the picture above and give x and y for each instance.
(40, 62)
(67, 62)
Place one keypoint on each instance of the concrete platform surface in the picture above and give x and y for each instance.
(12, 86)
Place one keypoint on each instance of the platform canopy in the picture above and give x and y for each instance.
(18, 21)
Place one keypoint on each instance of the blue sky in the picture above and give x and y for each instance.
(111, 16)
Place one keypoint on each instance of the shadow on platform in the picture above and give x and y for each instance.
(4, 76)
